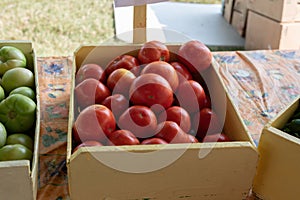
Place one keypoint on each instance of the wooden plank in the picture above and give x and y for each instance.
(139, 24)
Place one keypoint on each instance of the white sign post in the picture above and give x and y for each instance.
(139, 17)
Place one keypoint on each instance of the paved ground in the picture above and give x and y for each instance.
(178, 22)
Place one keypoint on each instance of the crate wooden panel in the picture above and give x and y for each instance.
(226, 172)
(278, 169)
(19, 178)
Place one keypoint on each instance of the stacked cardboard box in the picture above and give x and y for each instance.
(273, 24)
(235, 13)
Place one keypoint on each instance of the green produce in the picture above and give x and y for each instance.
(27, 91)
(15, 152)
(17, 113)
(3, 135)
(2, 93)
(11, 57)
(17, 77)
(20, 138)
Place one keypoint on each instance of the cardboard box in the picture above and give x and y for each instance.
(278, 10)
(19, 178)
(239, 21)
(228, 10)
(278, 169)
(241, 6)
(264, 33)
(201, 170)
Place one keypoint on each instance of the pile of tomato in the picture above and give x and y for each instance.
(17, 106)
(146, 98)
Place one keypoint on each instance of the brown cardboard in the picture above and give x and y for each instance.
(264, 33)
(239, 22)
(278, 169)
(225, 172)
(19, 178)
(278, 10)
(241, 6)
(228, 9)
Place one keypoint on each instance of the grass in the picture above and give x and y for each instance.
(59, 27)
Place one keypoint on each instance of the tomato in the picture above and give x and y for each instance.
(122, 137)
(89, 143)
(3, 135)
(140, 120)
(2, 93)
(195, 55)
(206, 122)
(165, 70)
(182, 72)
(17, 77)
(151, 89)
(123, 61)
(90, 91)
(20, 138)
(117, 103)
(154, 141)
(153, 51)
(172, 133)
(15, 152)
(90, 70)
(177, 114)
(11, 57)
(119, 81)
(27, 91)
(95, 122)
(17, 113)
(217, 137)
(191, 96)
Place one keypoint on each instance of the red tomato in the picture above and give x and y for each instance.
(191, 96)
(177, 114)
(140, 120)
(154, 141)
(217, 137)
(119, 81)
(117, 103)
(165, 70)
(172, 133)
(195, 55)
(182, 72)
(151, 89)
(206, 122)
(95, 122)
(122, 137)
(153, 51)
(90, 91)
(124, 61)
(89, 143)
(90, 71)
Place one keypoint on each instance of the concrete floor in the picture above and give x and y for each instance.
(179, 22)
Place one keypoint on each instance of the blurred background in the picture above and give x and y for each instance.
(59, 27)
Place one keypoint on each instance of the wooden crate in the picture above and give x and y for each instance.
(278, 10)
(278, 169)
(239, 16)
(19, 178)
(202, 171)
(265, 33)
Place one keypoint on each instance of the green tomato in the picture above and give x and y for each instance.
(11, 57)
(2, 93)
(3, 135)
(17, 77)
(20, 138)
(15, 152)
(27, 91)
(17, 113)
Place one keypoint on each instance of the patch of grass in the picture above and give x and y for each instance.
(59, 27)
